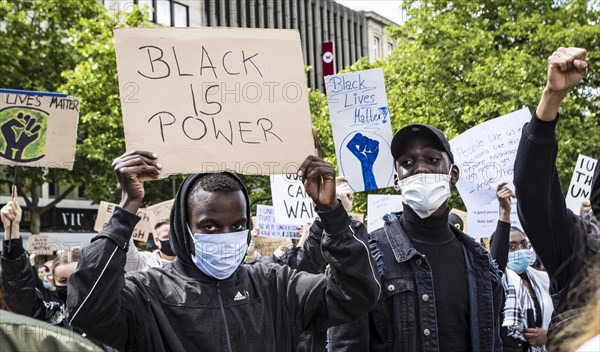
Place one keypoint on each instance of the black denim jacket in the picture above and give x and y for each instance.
(405, 316)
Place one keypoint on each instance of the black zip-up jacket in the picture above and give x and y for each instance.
(567, 244)
(259, 308)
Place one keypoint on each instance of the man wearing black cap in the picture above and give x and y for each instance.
(442, 291)
(567, 244)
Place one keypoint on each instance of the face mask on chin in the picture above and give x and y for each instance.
(425, 193)
(219, 255)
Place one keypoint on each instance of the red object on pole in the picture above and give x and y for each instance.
(328, 57)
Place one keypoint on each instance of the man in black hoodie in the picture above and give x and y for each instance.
(567, 244)
(206, 299)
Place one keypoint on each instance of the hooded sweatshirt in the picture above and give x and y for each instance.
(177, 307)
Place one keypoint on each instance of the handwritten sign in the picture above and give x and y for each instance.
(267, 226)
(581, 183)
(105, 212)
(485, 155)
(362, 130)
(38, 129)
(482, 221)
(291, 202)
(379, 205)
(229, 98)
(41, 244)
(157, 212)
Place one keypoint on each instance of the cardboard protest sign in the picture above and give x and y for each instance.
(291, 202)
(581, 182)
(362, 130)
(157, 212)
(38, 129)
(41, 245)
(213, 99)
(105, 212)
(482, 220)
(379, 205)
(485, 155)
(267, 226)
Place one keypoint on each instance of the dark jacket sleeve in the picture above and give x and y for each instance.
(99, 301)
(351, 286)
(309, 257)
(499, 246)
(19, 284)
(551, 227)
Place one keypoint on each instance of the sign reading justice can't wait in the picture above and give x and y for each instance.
(211, 99)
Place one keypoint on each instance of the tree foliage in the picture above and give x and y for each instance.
(460, 63)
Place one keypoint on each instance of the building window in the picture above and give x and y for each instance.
(53, 190)
(376, 48)
(180, 15)
(390, 47)
(164, 12)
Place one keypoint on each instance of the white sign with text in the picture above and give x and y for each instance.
(379, 205)
(581, 182)
(291, 202)
(362, 130)
(485, 155)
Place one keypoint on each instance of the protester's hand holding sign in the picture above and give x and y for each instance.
(318, 177)
(504, 195)
(11, 216)
(566, 68)
(344, 192)
(131, 169)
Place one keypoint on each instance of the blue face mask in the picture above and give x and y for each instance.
(46, 285)
(219, 255)
(519, 261)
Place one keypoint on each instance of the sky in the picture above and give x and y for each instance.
(387, 8)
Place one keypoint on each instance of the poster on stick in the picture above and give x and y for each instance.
(485, 155)
(214, 99)
(41, 245)
(291, 202)
(267, 226)
(105, 212)
(581, 183)
(362, 130)
(38, 129)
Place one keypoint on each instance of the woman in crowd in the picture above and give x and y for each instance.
(527, 304)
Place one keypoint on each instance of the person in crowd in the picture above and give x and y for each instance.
(206, 298)
(143, 260)
(442, 290)
(18, 277)
(566, 243)
(527, 304)
(456, 221)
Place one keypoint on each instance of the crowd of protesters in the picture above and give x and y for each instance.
(420, 283)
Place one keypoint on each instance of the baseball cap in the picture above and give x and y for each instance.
(455, 220)
(425, 131)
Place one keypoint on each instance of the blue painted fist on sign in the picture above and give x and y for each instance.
(366, 151)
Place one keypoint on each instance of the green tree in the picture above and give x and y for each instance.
(460, 63)
(36, 49)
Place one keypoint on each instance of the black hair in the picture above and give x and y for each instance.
(514, 228)
(222, 182)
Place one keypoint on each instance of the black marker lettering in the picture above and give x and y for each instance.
(244, 59)
(152, 61)
(162, 124)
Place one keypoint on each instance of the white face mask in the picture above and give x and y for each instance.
(425, 193)
(219, 255)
